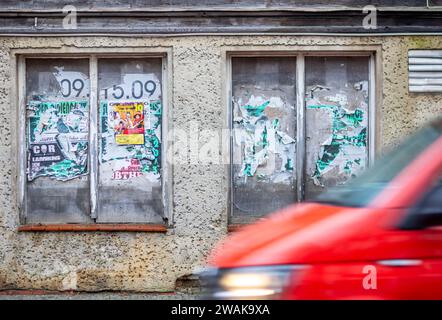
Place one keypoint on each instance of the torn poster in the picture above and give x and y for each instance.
(57, 139)
(127, 161)
(73, 84)
(343, 154)
(127, 119)
(127, 168)
(267, 149)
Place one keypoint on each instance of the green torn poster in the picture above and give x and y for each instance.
(345, 148)
(124, 162)
(268, 151)
(57, 139)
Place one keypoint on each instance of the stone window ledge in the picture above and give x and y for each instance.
(93, 227)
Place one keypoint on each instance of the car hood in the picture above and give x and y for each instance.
(301, 233)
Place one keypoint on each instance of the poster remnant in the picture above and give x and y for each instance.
(72, 84)
(267, 149)
(57, 139)
(127, 169)
(343, 153)
(125, 158)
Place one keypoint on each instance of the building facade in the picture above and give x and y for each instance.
(135, 136)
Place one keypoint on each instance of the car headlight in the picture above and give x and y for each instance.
(263, 282)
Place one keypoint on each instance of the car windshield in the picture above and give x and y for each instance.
(360, 191)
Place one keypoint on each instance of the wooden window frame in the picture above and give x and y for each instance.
(19, 58)
(375, 96)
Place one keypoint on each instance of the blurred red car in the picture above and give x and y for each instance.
(377, 237)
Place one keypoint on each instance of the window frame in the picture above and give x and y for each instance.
(19, 98)
(299, 53)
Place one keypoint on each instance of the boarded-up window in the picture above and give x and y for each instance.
(336, 96)
(264, 130)
(130, 140)
(60, 146)
(299, 125)
(57, 118)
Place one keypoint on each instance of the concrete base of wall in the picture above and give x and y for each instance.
(109, 295)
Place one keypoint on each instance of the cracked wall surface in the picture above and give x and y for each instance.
(94, 261)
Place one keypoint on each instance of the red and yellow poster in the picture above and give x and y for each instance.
(127, 119)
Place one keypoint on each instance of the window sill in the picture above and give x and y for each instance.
(235, 227)
(93, 227)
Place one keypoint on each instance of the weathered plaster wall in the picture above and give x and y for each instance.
(152, 262)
